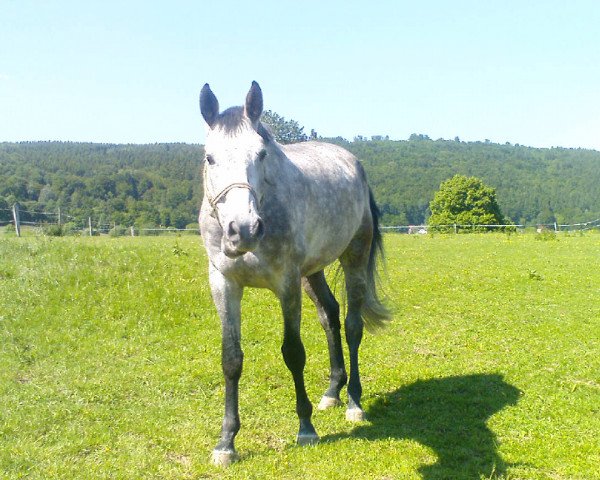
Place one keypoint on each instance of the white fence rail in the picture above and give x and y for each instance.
(20, 218)
(42, 221)
(455, 227)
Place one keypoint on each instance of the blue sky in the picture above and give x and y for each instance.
(122, 71)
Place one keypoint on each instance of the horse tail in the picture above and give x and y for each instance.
(375, 314)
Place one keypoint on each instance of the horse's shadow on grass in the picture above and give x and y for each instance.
(449, 416)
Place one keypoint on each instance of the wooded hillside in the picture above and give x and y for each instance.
(148, 185)
(533, 185)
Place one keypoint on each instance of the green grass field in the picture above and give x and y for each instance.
(110, 365)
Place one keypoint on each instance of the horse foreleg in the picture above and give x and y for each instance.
(328, 310)
(294, 356)
(227, 297)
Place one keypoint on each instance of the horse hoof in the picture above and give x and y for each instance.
(355, 415)
(307, 439)
(329, 402)
(224, 458)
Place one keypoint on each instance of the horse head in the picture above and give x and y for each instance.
(236, 146)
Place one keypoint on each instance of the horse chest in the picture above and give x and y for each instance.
(254, 270)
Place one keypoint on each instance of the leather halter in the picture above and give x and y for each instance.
(214, 199)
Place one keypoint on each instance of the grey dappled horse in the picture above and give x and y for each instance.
(275, 216)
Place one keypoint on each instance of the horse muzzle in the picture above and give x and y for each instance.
(241, 237)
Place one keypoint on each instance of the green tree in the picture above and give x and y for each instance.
(284, 131)
(465, 200)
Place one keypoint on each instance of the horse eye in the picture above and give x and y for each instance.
(262, 154)
(210, 159)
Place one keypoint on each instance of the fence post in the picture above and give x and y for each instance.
(132, 231)
(17, 219)
(59, 219)
(90, 225)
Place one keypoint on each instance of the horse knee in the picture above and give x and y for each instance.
(232, 362)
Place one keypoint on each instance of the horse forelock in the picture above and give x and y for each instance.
(233, 120)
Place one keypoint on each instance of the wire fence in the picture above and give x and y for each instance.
(582, 226)
(60, 223)
(450, 228)
(467, 228)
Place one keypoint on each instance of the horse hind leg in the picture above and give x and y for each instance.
(358, 262)
(328, 310)
(355, 287)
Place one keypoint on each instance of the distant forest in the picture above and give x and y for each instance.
(160, 184)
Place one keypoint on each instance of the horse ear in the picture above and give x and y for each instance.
(254, 103)
(209, 105)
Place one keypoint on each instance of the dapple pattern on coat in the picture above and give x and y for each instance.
(274, 217)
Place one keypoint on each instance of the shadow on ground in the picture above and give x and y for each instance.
(448, 415)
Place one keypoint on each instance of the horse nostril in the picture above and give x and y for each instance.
(233, 229)
(260, 228)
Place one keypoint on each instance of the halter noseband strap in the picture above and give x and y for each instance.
(214, 199)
